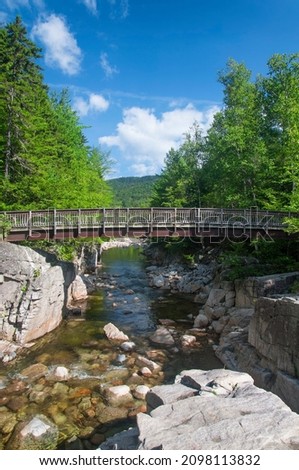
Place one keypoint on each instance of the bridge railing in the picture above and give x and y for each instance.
(165, 216)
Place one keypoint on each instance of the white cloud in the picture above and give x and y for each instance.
(144, 139)
(96, 103)
(61, 46)
(14, 4)
(39, 3)
(91, 5)
(109, 70)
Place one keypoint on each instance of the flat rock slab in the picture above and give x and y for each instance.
(167, 394)
(227, 380)
(245, 417)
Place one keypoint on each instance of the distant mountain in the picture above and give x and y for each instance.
(132, 191)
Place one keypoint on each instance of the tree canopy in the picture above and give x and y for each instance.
(250, 155)
(45, 160)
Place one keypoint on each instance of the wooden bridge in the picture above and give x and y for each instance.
(213, 223)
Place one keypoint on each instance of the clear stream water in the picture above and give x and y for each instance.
(125, 299)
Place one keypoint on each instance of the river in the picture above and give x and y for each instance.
(77, 405)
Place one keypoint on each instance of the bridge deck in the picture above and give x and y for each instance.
(145, 222)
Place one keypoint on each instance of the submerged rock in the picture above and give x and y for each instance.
(128, 346)
(38, 433)
(35, 372)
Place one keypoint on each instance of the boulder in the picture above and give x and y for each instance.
(128, 346)
(216, 297)
(118, 395)
(274, 332)
(114, 334)
(61, 373)
(148, 363)
(141, 391)
(162, 336)
(201, 321)
(241, 417)
(146, 372)
(188, 340)
(78, 289)
(158, 281)
(33, 292)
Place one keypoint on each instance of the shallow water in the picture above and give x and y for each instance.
(125, 299)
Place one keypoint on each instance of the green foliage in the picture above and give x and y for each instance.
(250, 155)
(36, 273)
(294, 289)
(132, 191)
(259, 258)
(235, 154)
(179, 184)
(44, 158)
(24, 288)
(5, 226)
(65, 250)
(292, 225)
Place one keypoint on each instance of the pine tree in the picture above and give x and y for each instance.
(44, 157)
(20, 80)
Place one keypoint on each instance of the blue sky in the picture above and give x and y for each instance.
(141, 72)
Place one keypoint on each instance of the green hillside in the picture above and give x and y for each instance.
(132, 191)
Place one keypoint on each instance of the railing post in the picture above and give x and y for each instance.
(54, 224)
(79, 223)
(175, 221)
(128, 221)
(151, 220)
(104, 221)
(30, 224)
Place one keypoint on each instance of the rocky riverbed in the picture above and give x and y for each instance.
(86, 380)
(215, 410)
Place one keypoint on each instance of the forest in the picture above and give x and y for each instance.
(133, 191)
(45, 160)
(249, 156)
